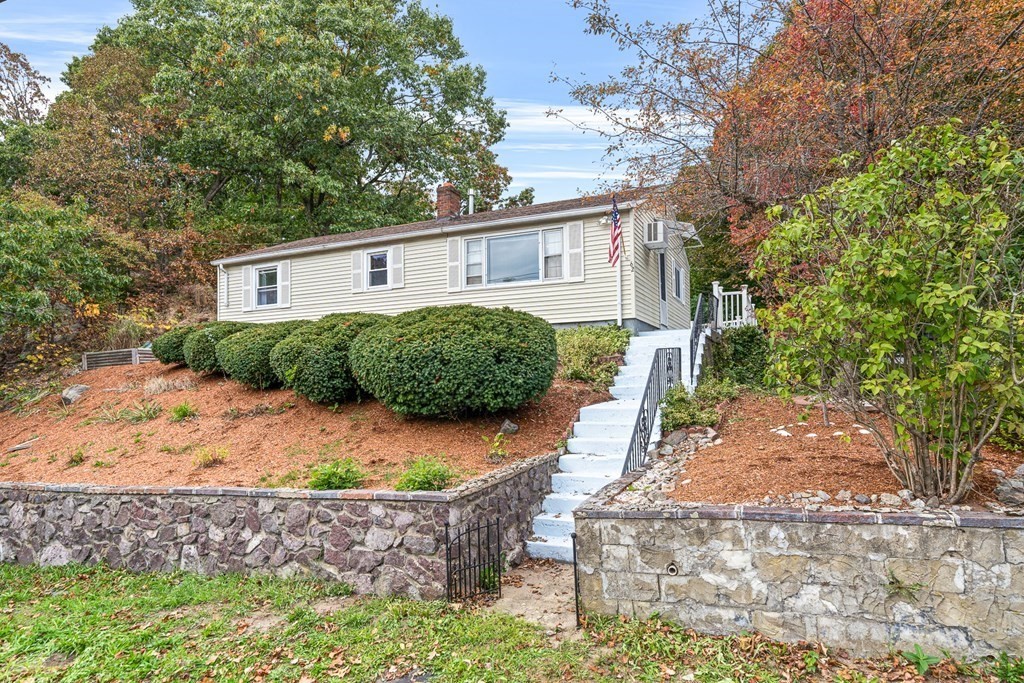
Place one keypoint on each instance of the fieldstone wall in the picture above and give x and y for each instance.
(861, 581)
(382, 542)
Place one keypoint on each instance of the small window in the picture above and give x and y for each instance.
(266, 286)
(377, 269)
(474, 262)
(552, 254)
(678, 272)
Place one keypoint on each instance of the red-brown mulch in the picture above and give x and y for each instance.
(292, 436)
(752, 462)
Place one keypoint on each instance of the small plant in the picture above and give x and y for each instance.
(155, 386)
(1008, 669)
(896, 587)
(489, 579)
(234, 413)
(286, 481)
(921, 660)
(77, 457)
(183, 411)
(210, 456)
(61, 412)
(811, 659)
(141, 412)
(337, 476)
(496, 447)
(101, 464)
(426, 474)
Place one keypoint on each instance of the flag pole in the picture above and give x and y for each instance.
(618, 277)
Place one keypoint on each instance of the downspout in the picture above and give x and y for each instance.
(221, 269)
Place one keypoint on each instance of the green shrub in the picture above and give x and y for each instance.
(446, 361)
(169, 346)
(200, 347)
(741, 356)
(1010, 433)
(426, 474)
(683, 408)
(587, 354)
(183, 411)
(245, 356)
(314, 360)
(337, 475)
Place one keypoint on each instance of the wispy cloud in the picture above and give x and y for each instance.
(64, 36)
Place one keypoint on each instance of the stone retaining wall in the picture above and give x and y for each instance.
(383, 542)
(861, 581)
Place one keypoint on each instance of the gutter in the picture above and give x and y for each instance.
(425, 232)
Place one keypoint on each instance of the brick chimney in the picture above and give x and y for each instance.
(449, 201)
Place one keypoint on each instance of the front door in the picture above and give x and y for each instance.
(663, 288)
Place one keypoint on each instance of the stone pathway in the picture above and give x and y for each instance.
(541, 591)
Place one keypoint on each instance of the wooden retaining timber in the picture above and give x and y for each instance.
(106, 359)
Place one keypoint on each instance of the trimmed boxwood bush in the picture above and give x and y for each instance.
(314, 359)
(200, 346)
(169, 346)
(245, 356)
(446, 361)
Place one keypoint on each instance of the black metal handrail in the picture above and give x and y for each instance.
(706, 317)
(666, 371)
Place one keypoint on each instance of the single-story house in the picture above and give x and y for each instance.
(548, 259)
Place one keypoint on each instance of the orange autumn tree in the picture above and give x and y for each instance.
(747, 107)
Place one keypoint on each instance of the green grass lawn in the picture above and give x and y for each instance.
(95, 624)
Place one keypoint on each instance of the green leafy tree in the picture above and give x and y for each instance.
(54, 266)
(349, 110)
(902, 290)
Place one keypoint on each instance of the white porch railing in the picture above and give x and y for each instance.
(735, 309)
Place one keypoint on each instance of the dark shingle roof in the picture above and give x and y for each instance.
(441, 224)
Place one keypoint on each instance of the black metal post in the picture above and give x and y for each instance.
(576, 580)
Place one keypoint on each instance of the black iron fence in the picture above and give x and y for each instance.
(473, 560)
(666, 371)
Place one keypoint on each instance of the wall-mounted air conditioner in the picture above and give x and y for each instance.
(656, 235)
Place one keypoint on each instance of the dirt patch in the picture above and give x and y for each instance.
(540, 591)
(754, 462)
(260, 622)
(267, 437)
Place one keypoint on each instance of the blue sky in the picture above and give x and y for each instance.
(519, 42)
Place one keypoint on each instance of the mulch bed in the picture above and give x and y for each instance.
(266, 434)
(752, 462)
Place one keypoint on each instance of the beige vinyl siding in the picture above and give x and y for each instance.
(644, 276)
(321, 283)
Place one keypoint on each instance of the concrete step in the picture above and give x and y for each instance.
(576, 484)
(563, 502)
(614, 430)
(591, 464)
(554, 525)
(619, 412)
(628, 392)
(558, 549)
(598, 446)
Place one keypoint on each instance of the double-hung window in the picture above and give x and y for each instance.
(377, 269)
(533, 256)
(266, 286)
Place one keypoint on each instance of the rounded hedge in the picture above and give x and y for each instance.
(245, 355)
(451, 360)
(314, 359)
(200, 346)
(169, 346)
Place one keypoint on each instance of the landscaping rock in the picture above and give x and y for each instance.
(844, 496)
(890, 500)
(508, 427)
(862, 499)
(905, 494)
(73, 393)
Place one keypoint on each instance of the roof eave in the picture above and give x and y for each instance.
(440, 229)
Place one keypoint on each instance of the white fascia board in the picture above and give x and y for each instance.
(425, 232)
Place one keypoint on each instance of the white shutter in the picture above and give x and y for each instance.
(574, 253)
(357, 271)
(284, 284)
(396, 264)
(247, 288)
(454, 265)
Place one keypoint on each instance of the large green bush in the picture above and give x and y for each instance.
(314, 359)
(741, 356)
(169, 346)
(245, 356)
(446, 361)
(588, 354)
(199, 348)
(426, 474)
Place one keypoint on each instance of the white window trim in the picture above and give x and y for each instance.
(539, 231)
(677, 280)
(256, 270)
(366, 269)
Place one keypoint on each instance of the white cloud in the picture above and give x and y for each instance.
(527, 117)
(65, 36)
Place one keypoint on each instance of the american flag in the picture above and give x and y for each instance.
(615, 245)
